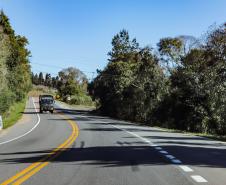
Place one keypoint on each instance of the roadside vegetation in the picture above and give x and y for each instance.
(41, 89)
(14, 113)
(69, 86)
(180, 85)
(15, 72)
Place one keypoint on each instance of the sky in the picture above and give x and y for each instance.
(78, 33)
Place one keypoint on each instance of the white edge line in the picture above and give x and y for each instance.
(18, 137)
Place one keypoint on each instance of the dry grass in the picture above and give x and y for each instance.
(38, 90)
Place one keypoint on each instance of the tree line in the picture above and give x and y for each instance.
(179, 85)
(46, 80)
(15, 71)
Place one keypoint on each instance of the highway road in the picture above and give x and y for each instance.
(72, 147)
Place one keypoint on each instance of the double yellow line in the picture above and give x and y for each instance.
(34, 168)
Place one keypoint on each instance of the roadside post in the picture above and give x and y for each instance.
(1, 123)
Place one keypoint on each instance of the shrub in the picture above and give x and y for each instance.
(81, 100)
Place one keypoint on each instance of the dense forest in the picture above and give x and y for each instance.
(15, 71)
(179, 85)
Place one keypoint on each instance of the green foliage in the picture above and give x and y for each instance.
(189, 95)
(5, 24)
(7, 98)
(48, 81)
(72, 84)
(123, 49)
(132, 83)
(171, 50)
(15, 74)
(198, 89)
(110, 84)
(40, 79)
(81, 99)
(14, 113)
(35, 79)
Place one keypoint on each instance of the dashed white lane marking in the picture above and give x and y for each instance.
(158, 148)
(186, 168)
(136, 135)
(163, 152)
(176, 161)
(198, 178)
(170, 156)
(153, 145)
(18, 137)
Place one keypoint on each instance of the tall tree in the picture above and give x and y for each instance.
(123, 49)
(125, 85)
(40, 79)
(171, 52)
(48, 80)
(70, 81)
(14, 65)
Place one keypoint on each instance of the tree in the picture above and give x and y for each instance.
(188, 43)
(48, 80)
(171, 51)
(216, 42)
(123, 49)
(197, 95)
(15, 73)
(54, 82)
(190, 96)
(132, 82)
(72, 73)
(35, 79)
(71, 81)
(41, 79)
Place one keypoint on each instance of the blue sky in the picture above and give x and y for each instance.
(78, 33)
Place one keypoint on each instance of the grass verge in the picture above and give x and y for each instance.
(210, 136)
(78, 107)
(14, 113)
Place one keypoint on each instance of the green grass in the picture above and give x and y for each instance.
(14, 113)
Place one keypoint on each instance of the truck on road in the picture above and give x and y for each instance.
(46, 103)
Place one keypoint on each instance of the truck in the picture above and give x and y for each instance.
(46, 103)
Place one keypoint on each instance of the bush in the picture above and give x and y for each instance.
(6, 99)
(81, 100)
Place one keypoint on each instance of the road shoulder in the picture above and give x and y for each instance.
(28, 120)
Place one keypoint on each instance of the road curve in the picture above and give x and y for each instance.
(83, 149)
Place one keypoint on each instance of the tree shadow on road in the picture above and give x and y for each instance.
(100, 156)
(116, 156)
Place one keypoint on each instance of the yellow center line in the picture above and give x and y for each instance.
(37, 166)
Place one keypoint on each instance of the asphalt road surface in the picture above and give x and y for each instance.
(77, 148)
